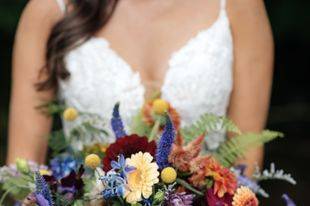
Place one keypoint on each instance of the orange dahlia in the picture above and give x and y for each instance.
(244, 197)
(224, 180)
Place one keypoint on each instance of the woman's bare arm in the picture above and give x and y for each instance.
(253, 68)
(28, 127)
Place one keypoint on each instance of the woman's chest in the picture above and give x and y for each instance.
(198, 78)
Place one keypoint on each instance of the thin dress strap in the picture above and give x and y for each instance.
(223, 6)
(61, 5)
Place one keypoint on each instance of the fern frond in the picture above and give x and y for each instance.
(208, 123)
(234, 148)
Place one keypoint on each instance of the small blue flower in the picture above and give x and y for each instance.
(121, 167)
(62, 166)
(114, 185)
(117, 123)
(146, 202)
(165, 144)
(288, 200)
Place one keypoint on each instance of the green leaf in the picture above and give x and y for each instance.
(208, 123)
(52, 108)
(139, 127)
(18, 186)
(57, 142)
(231, 150)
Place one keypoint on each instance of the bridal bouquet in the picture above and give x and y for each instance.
(157, 163)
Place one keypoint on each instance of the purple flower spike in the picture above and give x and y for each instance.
(41, 201)
(117, 123)
(165, 144)
(43, 193)
(288, 200)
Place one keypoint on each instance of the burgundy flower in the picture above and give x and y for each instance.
(213, 200)
(71, 185)
(127, 146)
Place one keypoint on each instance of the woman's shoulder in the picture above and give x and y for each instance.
(43, 13)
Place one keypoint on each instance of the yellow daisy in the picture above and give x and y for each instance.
(244, 197)
(142, 179)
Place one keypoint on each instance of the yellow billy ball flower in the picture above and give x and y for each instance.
(70, 114)
(160, 106)
(45, 172)
(168, 175)
(92, 161)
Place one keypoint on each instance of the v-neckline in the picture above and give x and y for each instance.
(171, 58)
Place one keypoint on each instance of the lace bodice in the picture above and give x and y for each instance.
(198, 81)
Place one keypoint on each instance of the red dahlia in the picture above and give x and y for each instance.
(127, 146)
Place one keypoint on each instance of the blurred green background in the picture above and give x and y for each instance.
(290, 105)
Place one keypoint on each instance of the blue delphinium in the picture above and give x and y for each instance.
(165, 144)
(288, 200)
(42, 193)
(114, 185)
(62, 166)
(121, 167)
(117, 123)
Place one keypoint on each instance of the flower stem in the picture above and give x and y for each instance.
(189, 187)
(4, 196)
(154, 130)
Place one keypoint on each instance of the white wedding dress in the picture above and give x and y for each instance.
(198, 81)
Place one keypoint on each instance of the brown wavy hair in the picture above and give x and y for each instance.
(82, 22)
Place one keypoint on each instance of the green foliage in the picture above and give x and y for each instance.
(234, 148)
(139, 127)
(62, 201)
(273, 174)
(84, 130)
(208, 123)
(52, 108)
(57, 142)
(19, 187)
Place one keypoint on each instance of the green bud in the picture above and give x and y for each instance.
(159, 196)
(22, 165)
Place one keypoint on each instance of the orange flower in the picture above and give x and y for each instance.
(224, 180)
(181, 156)
(244, 197)
(148, 114)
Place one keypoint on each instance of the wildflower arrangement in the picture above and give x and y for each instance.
(157, 164)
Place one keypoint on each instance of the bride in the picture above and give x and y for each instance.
(204, 56)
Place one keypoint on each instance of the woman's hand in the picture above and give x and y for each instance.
(30, 200)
